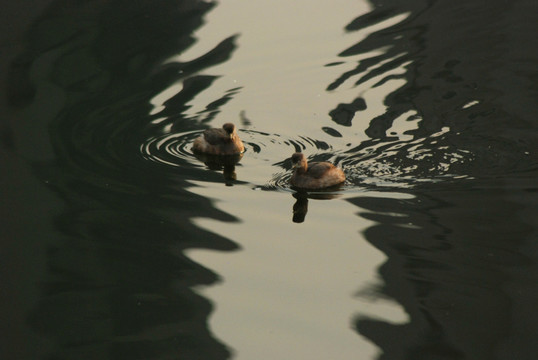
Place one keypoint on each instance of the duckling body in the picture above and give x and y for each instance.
(223, 141)
(317, 175)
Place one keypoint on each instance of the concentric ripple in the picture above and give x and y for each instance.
(174, 150)
(170, 149)
(397, 163)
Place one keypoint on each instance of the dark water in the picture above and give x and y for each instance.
(102, 196)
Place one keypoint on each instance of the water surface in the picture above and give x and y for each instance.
(119, 243)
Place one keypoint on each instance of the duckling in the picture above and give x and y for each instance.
(223, 141)
(317, 175)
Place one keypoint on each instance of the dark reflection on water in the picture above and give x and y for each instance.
(117, 282)
(468, 81)
(466, 278)
(462, 257)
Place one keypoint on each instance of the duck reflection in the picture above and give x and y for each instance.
(226, 163)
(300, 207)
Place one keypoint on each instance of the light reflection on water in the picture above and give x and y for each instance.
(292, 283)
(438, 154)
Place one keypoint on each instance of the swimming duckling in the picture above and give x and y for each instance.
(317, 175)
(223, 141)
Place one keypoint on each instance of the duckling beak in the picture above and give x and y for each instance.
(231, 136)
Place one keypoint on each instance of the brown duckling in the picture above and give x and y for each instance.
(223, 141)
(317, 175)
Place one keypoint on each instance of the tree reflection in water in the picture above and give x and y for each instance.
(460, 257)
(117, 282)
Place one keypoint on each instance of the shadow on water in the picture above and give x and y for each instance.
(466, 280)
(462, 258)
(459, 135)
(465, 73)
(117, 282)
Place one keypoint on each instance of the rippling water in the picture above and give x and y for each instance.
(394, 163)
(121, 243)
